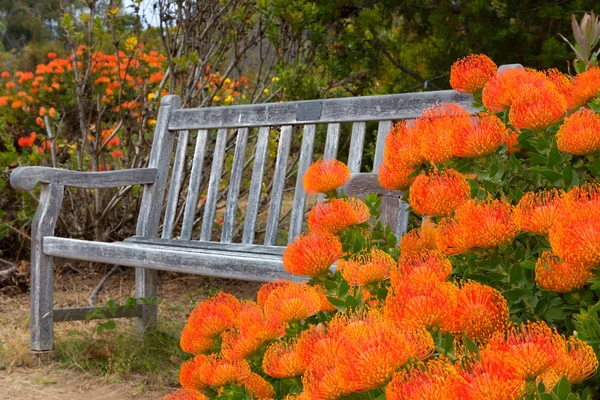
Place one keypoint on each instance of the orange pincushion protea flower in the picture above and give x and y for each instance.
(577, 362)
(292, 302)
(585, 88)
(394, 177)
(364, 269)
(484, 224)
(422, 382)
(187, 374)
(536, 212)
(480, 311)
(217, 371)
(335, 215)
(369, 354)
(214, 315)
(252, 321)
(512, 142)
(322, 382)
(326, 305)
(559, 276)
(439, 193)
(435, 126)
(500, 91)
(192, 341)
(183, 394)
(281, 360)
(266, 289)
(420, 342)
(561, 81)
(537, 107)
(403, 147)
(318, 342)
(478, 136)
(238, 345)
(575, 235)
(419, 239)
(258, 387)
(579, 133)
(325, 176)
(487, 379)
(429, 265)
(311, 255)
(530, 349)
(470, 74)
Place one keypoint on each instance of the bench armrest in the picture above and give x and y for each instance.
(25, 178)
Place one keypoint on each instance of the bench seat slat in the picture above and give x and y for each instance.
(191, 201)
(306, 153)
(260, 154)
(233, 191)
(283, 151)
(200, 245)
(210, 205)
(254, 267)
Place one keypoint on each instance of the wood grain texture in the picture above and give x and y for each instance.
(81, 313)
(382, 132)
(357, 143)
(260, 155)
(283, 151)
(306, 153)
(175, 186)
(210, 204)
(42, 268)
(331, 147)
(254, 267)
(214, 246)
(365, 183)
(233, 191)
(191, 201)
(26, 178)
(402, 219)
(352, 109)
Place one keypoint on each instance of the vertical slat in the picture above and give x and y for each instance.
(331, 147)
(191, 201)
(356, 146)
(175, 186)
(256, 185)
(283, 151)
(146, 285)
(42, 269)
(306, 152)
(210, 205)
(382, 131)
(234, 185)
(402, 219)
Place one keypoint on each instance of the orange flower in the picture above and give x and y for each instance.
(183, 394)
(530, 349)
(365, 269)
(292, 302)
(478, 136)
(435, 126)
(42, 111)
(266, 289)
(537, 107)
(26, 141)
(418, 239)
(428, 265)
(187, 374)
(536, 212)
(217, 371)
(336, 215)
(485, 224)
(318, 343)
(402, 147)
(585, 88)
(258, 387)
(16, 104)
(325, 176)
(10, 85)
(326, 305)
(392, 177)
(559, 276)
(470, 74)
(51, 112)
(577, 362)
(322, 382)
(500, 91)
(238, 345)
(252, 321)
(193, 342)
(561, 81)
(5, 75)
(487, 379)
(51, 55)
(117, 154)
(422, 382)
(437, 194)
(3, 101)
(480, 311)
(579, 133)
(311, 255)
(214, 315)
(282, 361)
(512, 142)
(369, 353)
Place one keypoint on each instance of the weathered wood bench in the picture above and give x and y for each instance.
(171, 208)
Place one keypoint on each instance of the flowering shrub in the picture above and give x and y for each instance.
(475, 303)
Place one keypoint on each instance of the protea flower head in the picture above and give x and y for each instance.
(555, 275)
(537, 107)
(579, 133)
(478, 136)
(419, 239)
(238, 345)
(336, 215)
(470, 74)
(439, 193)
(427, 266)
(536, 212)
(427, 381)
(187, 374)
(292, 302)
(561, 81)
(252, 321)
(281, 360)
(183, 394)
(311, 255)
(435, 126)
(586, 86)
(266, 289)
(193, 341)
(487, 379)
(500, 91)
(394, 177)
(403, 147)
(324, 176)
(321, 381)
(364, 269)
(214, 315)
(217, 371)
(577, 362)
(258, 387)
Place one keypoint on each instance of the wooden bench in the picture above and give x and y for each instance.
(172, 211)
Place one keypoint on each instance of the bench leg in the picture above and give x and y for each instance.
(146, 287)
(42, 271)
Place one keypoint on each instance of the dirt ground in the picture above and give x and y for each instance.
(21, 379)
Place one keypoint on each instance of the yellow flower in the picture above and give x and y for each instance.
(217, 98)
(131, 43)
(266, 91)
(227, 81)
(229, 99)
(275, 79)
(151, 122)
(151, 96)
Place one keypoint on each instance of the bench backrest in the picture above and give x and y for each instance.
(190, 148)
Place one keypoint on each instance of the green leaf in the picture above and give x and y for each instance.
(562, 389)
(553, 157)
(392, 240)
(568, 175)
(351, 302)
(343, 289)
(516, 274)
